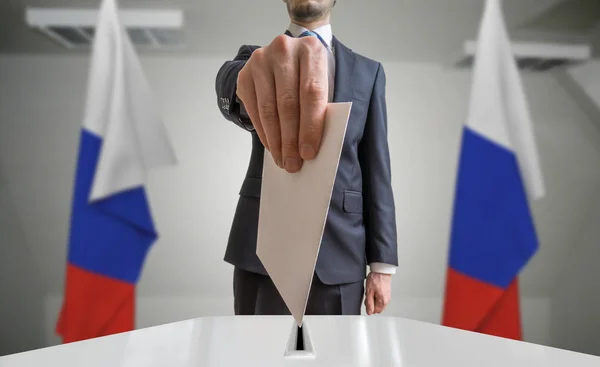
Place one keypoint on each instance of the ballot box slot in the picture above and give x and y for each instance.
(300, 339)
(299, 344)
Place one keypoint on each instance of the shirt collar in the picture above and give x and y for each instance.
(324, 31)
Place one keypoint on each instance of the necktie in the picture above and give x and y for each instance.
(309, 34)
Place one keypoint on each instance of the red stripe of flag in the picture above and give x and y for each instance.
(474, 305)
(111, 302)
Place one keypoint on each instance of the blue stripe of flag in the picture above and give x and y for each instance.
(493, 233)
(110, 237)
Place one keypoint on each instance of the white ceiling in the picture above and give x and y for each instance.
(408, 30)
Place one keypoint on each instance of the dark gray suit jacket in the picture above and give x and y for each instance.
(361, 224)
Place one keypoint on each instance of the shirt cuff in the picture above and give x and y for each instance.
(383, 268)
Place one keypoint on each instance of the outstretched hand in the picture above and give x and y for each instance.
(284, 89)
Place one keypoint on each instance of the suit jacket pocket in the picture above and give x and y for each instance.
(251, 187)
(353, 202)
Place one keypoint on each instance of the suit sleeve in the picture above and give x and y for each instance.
(226, 86)
(380, 212)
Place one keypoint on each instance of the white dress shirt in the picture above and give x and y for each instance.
(327, 36)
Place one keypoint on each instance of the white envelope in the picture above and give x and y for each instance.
(293, 211)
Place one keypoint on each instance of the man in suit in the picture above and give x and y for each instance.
(279, 94)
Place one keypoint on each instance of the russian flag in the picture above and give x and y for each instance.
(111, 229)
(493, 235)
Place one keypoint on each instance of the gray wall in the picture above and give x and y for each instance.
(575, 299)
(21, 293)
(575, 304)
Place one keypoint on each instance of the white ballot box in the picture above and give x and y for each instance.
(329, 341)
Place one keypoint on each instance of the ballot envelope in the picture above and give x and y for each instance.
(293, 212)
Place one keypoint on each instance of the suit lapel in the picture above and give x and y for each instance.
(344, 72)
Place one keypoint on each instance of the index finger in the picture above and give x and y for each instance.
(313, 97)
(369, 302)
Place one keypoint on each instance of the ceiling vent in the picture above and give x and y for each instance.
(74, 28)
(533, 56)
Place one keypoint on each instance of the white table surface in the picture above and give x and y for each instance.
(261, 341)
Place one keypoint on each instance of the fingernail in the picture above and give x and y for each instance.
(307, 151)
(292, 164)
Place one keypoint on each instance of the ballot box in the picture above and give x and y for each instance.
(325, 341)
